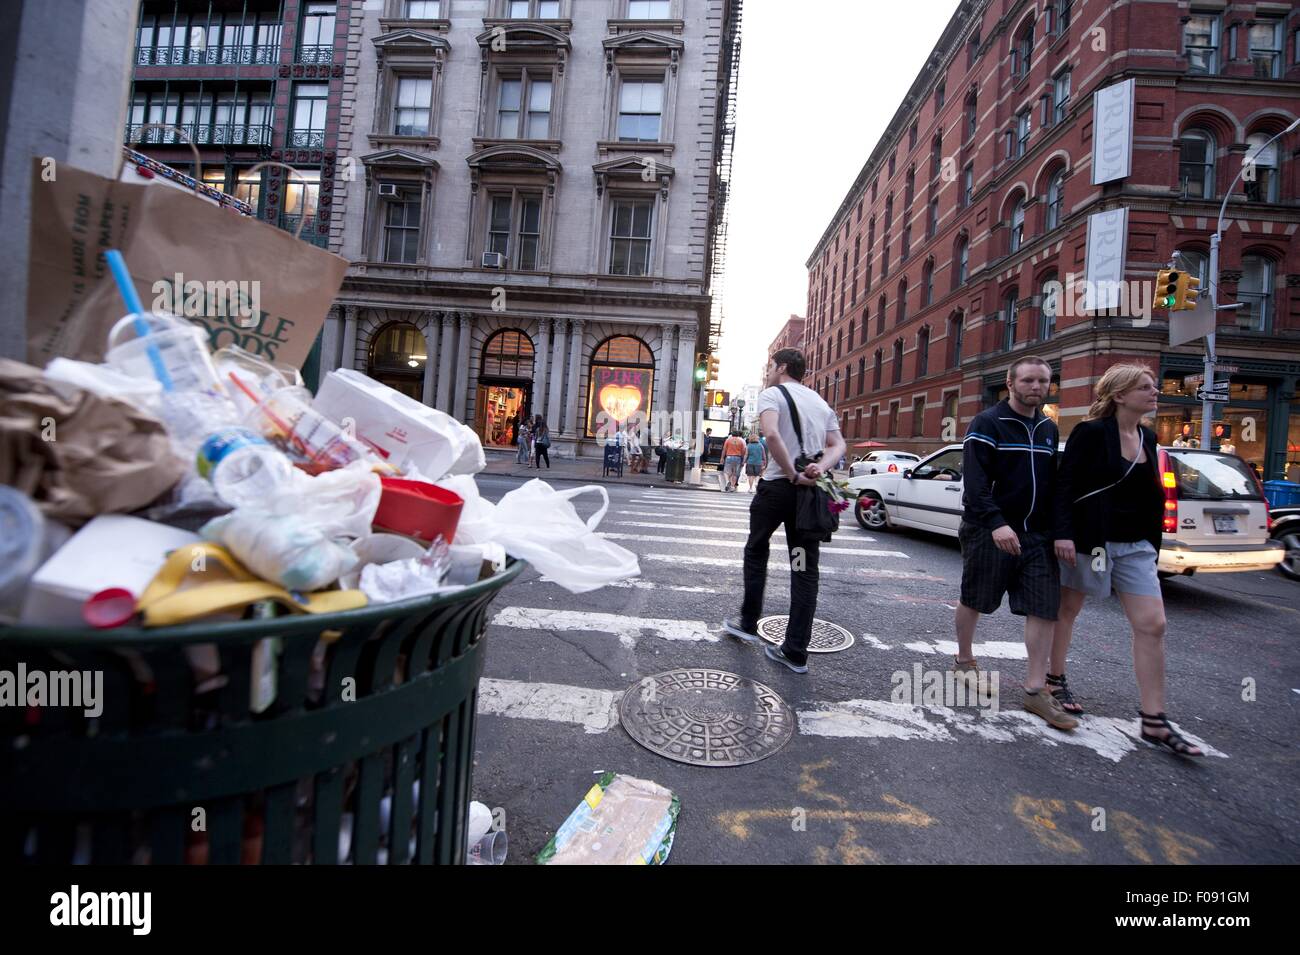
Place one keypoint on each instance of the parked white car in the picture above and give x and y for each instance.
(1216, 518)
(877, 462)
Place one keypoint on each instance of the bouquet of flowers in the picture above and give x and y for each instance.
(835, 491)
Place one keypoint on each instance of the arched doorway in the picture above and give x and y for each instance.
(621, 385)
(505, 387)
(397, 359)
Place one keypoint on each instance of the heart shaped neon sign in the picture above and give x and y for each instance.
(620, 401)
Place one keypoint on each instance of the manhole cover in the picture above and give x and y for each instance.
(706, 717)
(827, 637)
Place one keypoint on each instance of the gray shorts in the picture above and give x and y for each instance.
(1126, 568)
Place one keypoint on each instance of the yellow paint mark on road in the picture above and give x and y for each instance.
(810, 785)
(1038, 815)
(850, 853)
(738, 821)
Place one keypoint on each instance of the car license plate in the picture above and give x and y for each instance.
(1225, 525)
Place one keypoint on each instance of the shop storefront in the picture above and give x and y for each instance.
(1260, 421)
(397, 358)
(621, 385)
(505, 388)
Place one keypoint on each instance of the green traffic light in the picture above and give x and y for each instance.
(699, 374)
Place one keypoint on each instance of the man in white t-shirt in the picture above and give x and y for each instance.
(774, 505)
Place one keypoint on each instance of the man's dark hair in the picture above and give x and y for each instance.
(795, 363)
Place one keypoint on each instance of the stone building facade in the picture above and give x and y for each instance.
(531, 202)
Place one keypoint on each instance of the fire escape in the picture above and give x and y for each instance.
(723, 140)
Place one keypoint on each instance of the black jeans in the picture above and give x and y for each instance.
(543, 452)
(772, 506)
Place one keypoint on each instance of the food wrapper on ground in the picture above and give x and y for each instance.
(77, 454)
(404, 432)
(621, 821)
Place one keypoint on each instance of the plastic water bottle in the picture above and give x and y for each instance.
(243, 467)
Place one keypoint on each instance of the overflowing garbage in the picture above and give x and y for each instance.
(170, 483)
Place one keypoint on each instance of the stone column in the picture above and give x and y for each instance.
(571, 424)
(349, 356)
(540, 367)
(462, 364)
(553, 408)
(430, 356)
(330, 337)
(663, 404)
(685, 374)
(444, 364)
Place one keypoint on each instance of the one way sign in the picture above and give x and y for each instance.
(1218, 396)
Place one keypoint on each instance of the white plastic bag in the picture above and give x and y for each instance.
(539, 524)
(107, 382)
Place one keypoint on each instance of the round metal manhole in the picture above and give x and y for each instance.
(827, 637)
(706, 717)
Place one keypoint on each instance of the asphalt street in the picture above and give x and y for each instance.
(866, 778)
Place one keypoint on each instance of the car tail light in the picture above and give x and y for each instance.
(1169, 484)
(1268, 517)
(893, 469)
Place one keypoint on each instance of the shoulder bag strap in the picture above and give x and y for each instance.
(1142, 444)
(794, 415)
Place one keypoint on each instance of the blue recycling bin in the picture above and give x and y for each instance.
(1282, 493)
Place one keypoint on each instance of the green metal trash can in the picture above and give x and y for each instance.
(675, 469)
(364, 754)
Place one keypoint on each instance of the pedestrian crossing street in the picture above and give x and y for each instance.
(690, 548)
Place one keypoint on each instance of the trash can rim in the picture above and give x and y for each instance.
(207, 632)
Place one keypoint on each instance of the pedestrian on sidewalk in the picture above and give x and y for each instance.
(733, 453)
(774, 504)
(1111, 511)
(541, 442)
(523, 438)
(1008, 528)
(755, 459)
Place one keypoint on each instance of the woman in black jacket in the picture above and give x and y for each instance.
(1110, 514)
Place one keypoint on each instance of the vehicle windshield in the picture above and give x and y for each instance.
(1206, 476)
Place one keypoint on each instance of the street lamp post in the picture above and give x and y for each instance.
(1209, 384)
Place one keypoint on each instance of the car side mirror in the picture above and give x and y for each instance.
(907, 474)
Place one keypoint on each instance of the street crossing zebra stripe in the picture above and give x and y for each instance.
(627, 629)
(735, 545)
(712, 529)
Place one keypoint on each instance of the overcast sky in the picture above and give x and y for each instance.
(819, 81)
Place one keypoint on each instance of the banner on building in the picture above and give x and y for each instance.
(1107, 245)
(1112, 132)
(616, 395)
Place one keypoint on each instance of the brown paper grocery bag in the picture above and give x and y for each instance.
(224, 263)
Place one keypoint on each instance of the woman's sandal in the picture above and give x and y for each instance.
(1057, 686)
(1174, 742)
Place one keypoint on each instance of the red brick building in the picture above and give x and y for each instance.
(790, 335)
(930, 279)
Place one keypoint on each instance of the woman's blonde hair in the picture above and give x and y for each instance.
(1116, 380)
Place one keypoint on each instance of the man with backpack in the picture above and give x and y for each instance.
(802, 431)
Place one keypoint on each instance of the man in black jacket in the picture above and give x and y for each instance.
(1008, 527)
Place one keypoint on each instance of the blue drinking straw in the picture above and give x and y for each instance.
(117, 265)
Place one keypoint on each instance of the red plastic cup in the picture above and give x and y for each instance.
(113, 607)
(418, 509)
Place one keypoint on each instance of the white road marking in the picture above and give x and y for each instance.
(713, 529)
(627, 629)
(742, 521)
(686, 506)
(594, 710)
(900, 574)
(736, 562)
(645, 585)
(735, 545)
(1000, 650)
(871, 640)
(1110, 737)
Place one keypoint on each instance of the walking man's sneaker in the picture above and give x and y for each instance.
(1045, 705)
(970, 670)
(733, 626)
(777, 655)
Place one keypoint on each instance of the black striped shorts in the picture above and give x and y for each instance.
(1031, 580)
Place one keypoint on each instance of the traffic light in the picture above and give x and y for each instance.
(713, 373)
(701, 366)
(1187, 294)
(1167, 289)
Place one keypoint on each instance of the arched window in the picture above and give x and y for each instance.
(1196, 151)
(956, 331)
(862, 375)
(936, 155)
(880, 316)
(1198, 264)
(1261, 180)
(1255, 290)
(898, 361)
(910, 186)
(397, 359)
(1018, 225)
(508, 354)
(1055, 199)
(1050, 307)
(927, 283)
(902, 302)
(875, 377)
(961, 257)
(621, 385)
(922, 351)
(1009, 319)
(1022, 52)
(972, 114)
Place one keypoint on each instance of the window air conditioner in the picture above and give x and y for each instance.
(389, 190)
(494, 260)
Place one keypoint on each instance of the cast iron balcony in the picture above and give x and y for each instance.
(316, 54)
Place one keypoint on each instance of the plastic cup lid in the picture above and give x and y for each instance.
(109, 608)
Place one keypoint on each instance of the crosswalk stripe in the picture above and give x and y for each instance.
(693, 506)
(735, 545)
(647, 585)
(741, 521)
(596, 711)
(627, 629)
(713, 529)
(776, 559)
